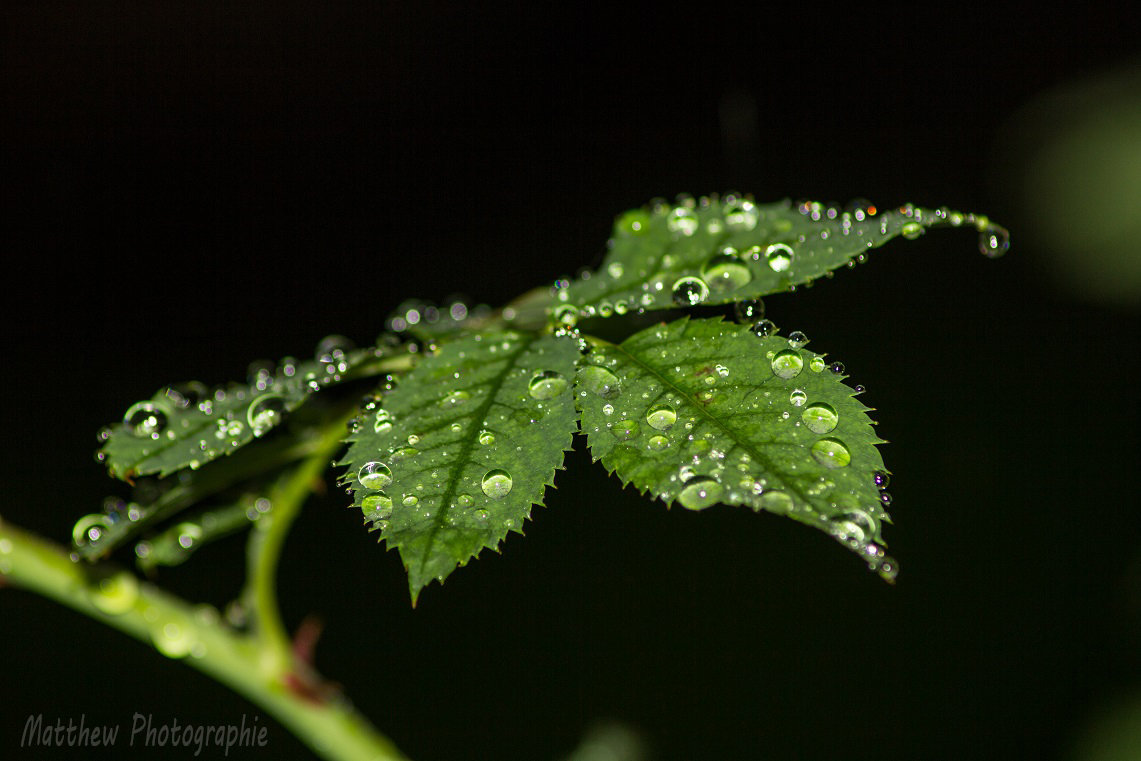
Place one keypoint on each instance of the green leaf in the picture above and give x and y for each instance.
(717, 251)
(463, 447)
(701, 411)
(187, 425)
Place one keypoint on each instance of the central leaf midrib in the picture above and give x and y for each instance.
(467, 445)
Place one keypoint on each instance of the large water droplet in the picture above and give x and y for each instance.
(624, 430)
(600, 381)
(700, 492)
(547, 385)
(374, 475)
(994, 241)
(787, 364)
(831, 453)
(496, 483)
(146, 419)
(689, 291)
(726, 272)
(661, 418)
(820, 417)
(265, 412)
(779, 257)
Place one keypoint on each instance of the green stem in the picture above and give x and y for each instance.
(177, 629)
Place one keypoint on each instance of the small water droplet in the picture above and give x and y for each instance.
(624, 430)
(689, 291)
(547, 385)
(380, 504)
(700, 492)
(797, 339)
(146, 419)
(994, 241)
(911, 230)
(820, 417)
(496, 483)
(465, 500)
(410, 500)
(831, 453)
(739, 214)
(661, 418)
(683, 221)
(455, 398)
(837, 368)
(600, 381)
(374, 475)
(749, 312)
(115, 595)
(265, 412)
(763, 328)
(566, 315)
(787, 364)
(726, 272)
(779, 257)
(658, 443)
(777, 501)
(383, 422)
(173, 639)
(885, 499)
(797, 398)
(487, 438)
(881, 478)
(817, 364)
(404, 453)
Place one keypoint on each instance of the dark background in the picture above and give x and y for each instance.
(188, 190)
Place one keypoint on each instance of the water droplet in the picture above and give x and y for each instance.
(881, 478)
(404, 453)
(816, 364)
(600, 381)
(661, 418)
(831, 453)
(888, 569)
(797, 398)
(683, 221)
(777, 501)
(608, 409)
(726, 272)
(994, 241)
(383, 422)
(820, 417)
(380, 503)
(763, 328)
(496, 483)
(265, 412)
(465, 500)
(189, 534)
(689, 291)
(173, 639)
(658, 443)
(566, 315)
(456, 428)
(487, 438)
(739, 214)
(547, 385)
(410, 500)
(374, 475)
(911, 230)
(779, 257)
(455, 398)
(115, 595)
(700, 492)
(624, 430)
(749, 312)
(89, 530)
(854, 525)
(885, 499)
(797, 339)
(787, 364)
(146, 419)
(837, 368)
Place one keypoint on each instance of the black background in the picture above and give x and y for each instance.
(187, 190)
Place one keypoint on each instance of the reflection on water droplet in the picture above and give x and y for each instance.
(265, 412)
(726, 272)
(145, 419)
(689, 291)
(700, 492)
(911, 230)
(820, 417)
(496, 483)
(831, 453)
(749, 312)
(994, 241)
(547, 385)
(374, 475)
(658, 443)
(787, 364)
(764, 328)
(779, 257)
(661, 418)
(624, 430)
(600, 381)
